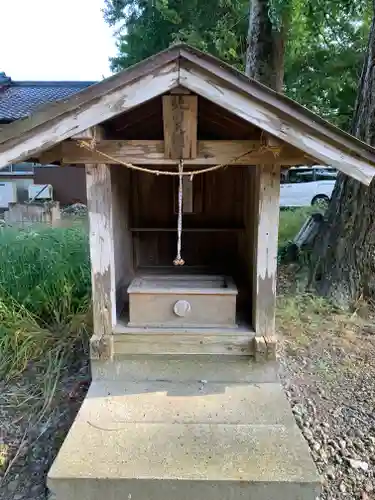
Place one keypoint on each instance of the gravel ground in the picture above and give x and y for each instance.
(332, 393)
(328, 371)
(327, 367)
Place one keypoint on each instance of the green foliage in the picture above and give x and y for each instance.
(148, 26)
(325, 41)
(325, 49)
(44, 295)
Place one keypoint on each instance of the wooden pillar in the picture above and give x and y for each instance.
(267, 188)
(99, 203)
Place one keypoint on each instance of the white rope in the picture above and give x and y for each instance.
(179, 261)
(92, 147)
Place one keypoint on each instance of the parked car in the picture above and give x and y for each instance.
(306, 186)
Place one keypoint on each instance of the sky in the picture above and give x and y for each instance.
(54, 40)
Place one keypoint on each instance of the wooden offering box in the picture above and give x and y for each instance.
(168, 300)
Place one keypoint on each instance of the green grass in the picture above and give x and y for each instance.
(291, 221)
(44, 295)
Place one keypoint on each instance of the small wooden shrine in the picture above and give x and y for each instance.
(183, 156)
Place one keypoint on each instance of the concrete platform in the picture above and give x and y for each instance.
(183, 440)
(185, 369)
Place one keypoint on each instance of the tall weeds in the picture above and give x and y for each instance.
(44, 295)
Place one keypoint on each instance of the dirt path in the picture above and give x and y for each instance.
(29, 442)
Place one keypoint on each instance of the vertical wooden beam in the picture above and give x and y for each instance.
(267, 187)
(180, 126)
(99, 203)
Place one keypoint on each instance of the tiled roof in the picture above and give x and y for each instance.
(19, 99)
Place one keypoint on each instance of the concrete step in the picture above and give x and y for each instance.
(185, 369)
(184, 440)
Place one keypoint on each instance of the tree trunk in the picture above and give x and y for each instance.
(265, 47)
(344, 253)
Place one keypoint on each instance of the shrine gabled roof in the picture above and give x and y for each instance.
(202, 74)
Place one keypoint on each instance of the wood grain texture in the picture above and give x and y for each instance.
(156, 310)
(47, 133)
(221, 202)
(269, 120)
(265, 348)
(206, 76)
(271, 342)
(180, 113)
(260, 348)
(84, 134)
(177, 343)
(288, 109)
(99, 202)
(122, 236)
(267, 185)
(151, 152)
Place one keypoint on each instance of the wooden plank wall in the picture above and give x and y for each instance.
(122, 237)
(222, 194)
(219, 200)
(247, 240)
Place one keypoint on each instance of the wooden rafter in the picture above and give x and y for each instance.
(270, 120)
(152, 153)
(121, 98)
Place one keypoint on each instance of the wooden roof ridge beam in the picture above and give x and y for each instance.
(152, 152)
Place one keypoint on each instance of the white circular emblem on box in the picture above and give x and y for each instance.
(181, 308)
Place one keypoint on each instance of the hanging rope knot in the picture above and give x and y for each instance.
(179, 261)
(93, 140)
(265, 146)
(276, 151)
(90, 146)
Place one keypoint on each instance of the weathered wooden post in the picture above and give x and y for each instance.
(266, 211)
